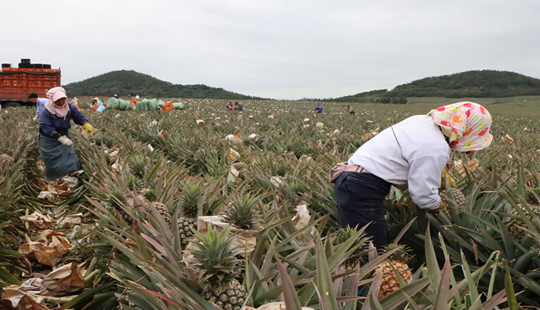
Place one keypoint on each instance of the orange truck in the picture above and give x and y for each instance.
(17, 83)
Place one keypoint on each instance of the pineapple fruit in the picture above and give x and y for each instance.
(5, 160)
(238, 165)
(190, 209)
(515, 223)
(214, 259)
(446, 197)
(398, 260)
(164, 212)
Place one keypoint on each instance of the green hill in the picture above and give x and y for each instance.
(129, 82)
(476, 84)
(481, 84)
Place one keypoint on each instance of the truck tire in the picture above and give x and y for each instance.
(12, 104)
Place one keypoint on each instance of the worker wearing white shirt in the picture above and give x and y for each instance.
(413, 154)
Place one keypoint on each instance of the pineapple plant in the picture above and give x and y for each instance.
(214, 259)
(242, 213)
(115, 200)
(138, 165)
(190, 209)
(358, 256)
(398, 262)
(516, 225)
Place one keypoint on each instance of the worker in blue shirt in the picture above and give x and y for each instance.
(318, 108)
(39, 102)
(55, 144)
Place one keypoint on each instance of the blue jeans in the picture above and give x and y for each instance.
(360, 197)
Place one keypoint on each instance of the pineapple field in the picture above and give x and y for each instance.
(204, 208)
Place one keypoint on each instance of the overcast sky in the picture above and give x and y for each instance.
(275, 49)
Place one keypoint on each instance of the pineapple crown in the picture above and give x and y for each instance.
(214, 256)
(138, 165)
(242, 213)
(117, 198)
(347, 233)
(190, 199)
(400, 255)
(150, 195)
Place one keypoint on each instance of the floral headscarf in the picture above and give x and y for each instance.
(466, 124)
(55, 94)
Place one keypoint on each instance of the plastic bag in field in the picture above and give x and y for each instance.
(178, 105)
(113, 103)
(153, 105)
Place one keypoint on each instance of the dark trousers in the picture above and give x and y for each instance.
(360, 197)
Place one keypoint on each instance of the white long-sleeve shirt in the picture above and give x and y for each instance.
(415, 157)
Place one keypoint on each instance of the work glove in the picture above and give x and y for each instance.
(65, 141)
(89, 128)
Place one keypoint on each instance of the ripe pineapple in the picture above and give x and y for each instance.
(242, 213)
(445, 199)
(164, 211)
(5, 160)
(238, 165)
(214, 258)
(190, 209)
(514, 224)
(399, 261)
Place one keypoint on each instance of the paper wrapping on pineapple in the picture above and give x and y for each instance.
(70, 221)
(277, 181)
(459, 168)
(37, 219)
(302, 217)
(274, 306)
(18, 299)
(244, 239)
(233, 175)
(48, 249)
(234, 138)
(67, 278)
(58, 188)
(233, 155)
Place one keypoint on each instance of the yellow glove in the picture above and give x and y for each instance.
(444, 176)
(89, 128)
